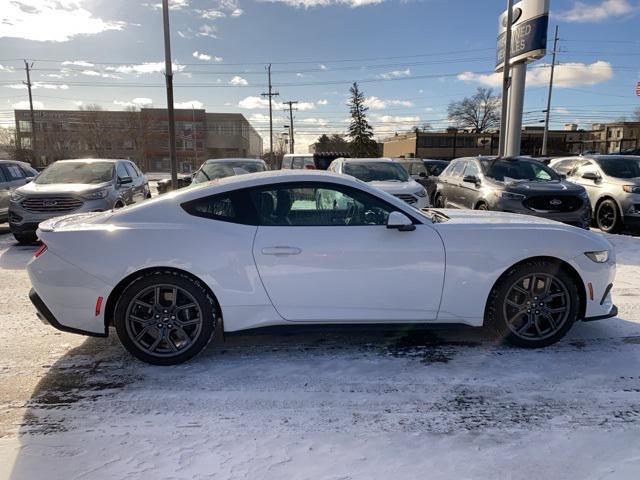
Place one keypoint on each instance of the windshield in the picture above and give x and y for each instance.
(519, 171)
(376, 171)
(76, 172)
(211, 171)
(435, 169)
(620, 167)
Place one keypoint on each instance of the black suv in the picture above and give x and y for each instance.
(516, 185)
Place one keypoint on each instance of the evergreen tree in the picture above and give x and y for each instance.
(360, 131)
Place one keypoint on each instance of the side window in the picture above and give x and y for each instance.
(472, 170)
(233, 208)
(318, 205)
(298, 162)
(584, 168)
(132, 171)
(3, 177)
(14, 172)
(457, 169)
(121, 170)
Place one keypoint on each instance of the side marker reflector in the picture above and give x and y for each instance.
(590, 287)
(98, 306)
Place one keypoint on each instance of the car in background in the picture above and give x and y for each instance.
(164, 185)
(613, 185)
(73, 186)
(385, 174)
(227, 167)
(298, 161)
(259, 254)
(516, 185)
(434, 169)
(13, 174)
(415, 168)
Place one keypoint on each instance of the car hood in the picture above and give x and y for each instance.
(396, 188)
(496, 218)
(50, 188)
(554, 188)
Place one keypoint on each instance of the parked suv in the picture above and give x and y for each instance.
(613, 185)
(13, 174)
(228, 167)
(516, 185)
(73, 186)
(385, 174)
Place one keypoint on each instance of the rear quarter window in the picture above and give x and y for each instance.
(232, 207)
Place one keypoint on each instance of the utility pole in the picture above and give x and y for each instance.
(28, 68)
(506, 81)
(169, 79)
(270, 94)
(291, 141)
(545, 138)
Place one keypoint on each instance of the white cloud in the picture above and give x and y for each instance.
(237, 80)
(396, 74)
(325, 3)
(6, 68)
(77, 103)
(583, 12)
(197, 104)
(322, 67)
(211, 14)
(50, 20)
(304, 106)
(95, 73)
(78, 63)
(147, 67)
(562, 110)
(36, 85)
(314, 121)
(398, 119)
(237, 12)
(136, 102)
(173, 5)
(24, 105)
(207, 31)
(566, 75)
(376, 103)
(259, 117)
(206, 57)
(322, 102)
(253, 103)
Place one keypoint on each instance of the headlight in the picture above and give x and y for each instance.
(598, 257)
(421, 193)
(16, 197)
(96, 195)
(631, 188)
(512, 196)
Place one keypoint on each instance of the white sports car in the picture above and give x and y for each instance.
(297, 247)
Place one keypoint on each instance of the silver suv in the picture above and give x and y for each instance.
(613, 185)
(73, 186)
(13, 174)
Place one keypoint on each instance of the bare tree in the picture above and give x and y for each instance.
(7, 136)
(478, 113)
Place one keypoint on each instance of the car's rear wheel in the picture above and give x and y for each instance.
(439, 202)
(534, 304)
(165, 318)
(608, 216)
(25, 237)
(482, 206)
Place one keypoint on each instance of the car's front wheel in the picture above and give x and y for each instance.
(534, 304)
(165, 318)
(608, 216)
(25, 238)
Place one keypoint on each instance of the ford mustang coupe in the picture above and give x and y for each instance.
(304, 247)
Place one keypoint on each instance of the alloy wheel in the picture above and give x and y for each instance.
(163, 320)
(607, 216)
(537, 306)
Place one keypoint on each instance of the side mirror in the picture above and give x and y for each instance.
(591, 176)
(399, 221)
(124, 180)
(471, 179)
(422, 174)
(563, 176)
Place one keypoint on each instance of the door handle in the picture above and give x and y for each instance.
(281, 251)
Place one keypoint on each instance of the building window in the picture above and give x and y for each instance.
(24, 126)
(25, 142)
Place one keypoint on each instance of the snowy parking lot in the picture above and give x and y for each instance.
(341, 403)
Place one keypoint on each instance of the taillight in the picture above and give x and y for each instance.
(40, 251)
(310, 167)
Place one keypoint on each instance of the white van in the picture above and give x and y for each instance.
(298, 161)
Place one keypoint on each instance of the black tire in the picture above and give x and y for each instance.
(118, 204)
(608, 218)
(543, 330)
(25, 238)
(199, 334)
(439, 202)
(482, 206)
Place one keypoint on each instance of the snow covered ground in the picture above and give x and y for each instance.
(340, 404)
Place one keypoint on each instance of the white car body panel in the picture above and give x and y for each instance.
(440, 272)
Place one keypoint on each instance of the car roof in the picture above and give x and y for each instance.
(368, 160)
(223, 160)
(91, 160)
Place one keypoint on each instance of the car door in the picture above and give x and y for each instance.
(324, 254)
(593, 186)
(137, 185)
(125, 190)
(5, 194)
(452, 185)
(470, 191)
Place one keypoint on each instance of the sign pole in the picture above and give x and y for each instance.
(516, 104)
(505, 81)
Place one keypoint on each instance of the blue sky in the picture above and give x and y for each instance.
(411, 57)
